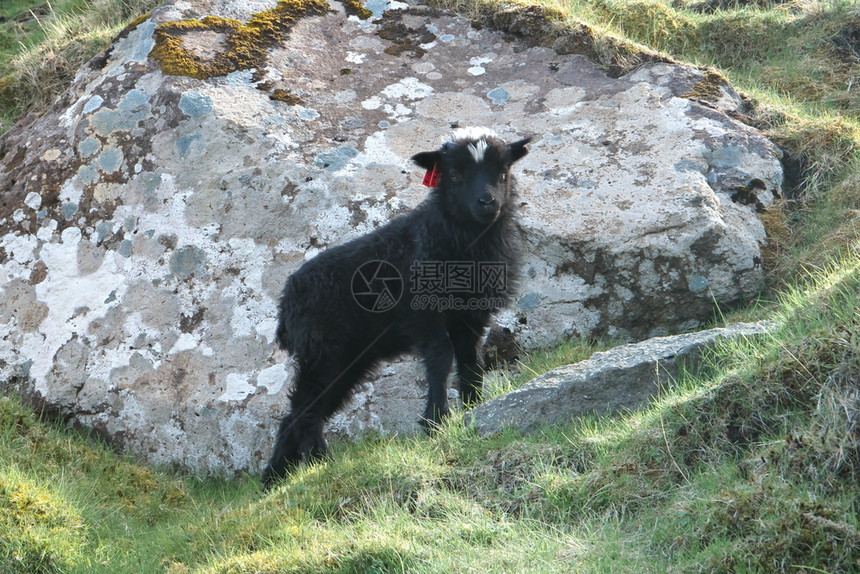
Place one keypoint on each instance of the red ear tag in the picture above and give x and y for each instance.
(432, 177)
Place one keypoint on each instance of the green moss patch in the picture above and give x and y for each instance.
(246, 45)
(40, 533)
(709, 89)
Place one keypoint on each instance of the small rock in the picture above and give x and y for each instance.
(622, 378)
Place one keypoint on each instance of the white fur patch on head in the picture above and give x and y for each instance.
(478, 136)
(472, 133)
(477, 150)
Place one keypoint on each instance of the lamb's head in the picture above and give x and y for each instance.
(473, 173)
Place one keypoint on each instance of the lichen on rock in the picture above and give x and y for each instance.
(355, 8)
(282, 95)
(709, 89)
(246, 44)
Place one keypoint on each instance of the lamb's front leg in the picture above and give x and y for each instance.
(465, 337)
(438, 355)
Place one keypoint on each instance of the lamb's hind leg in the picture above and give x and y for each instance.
(300, 435)
(299, 439)
(317, 395)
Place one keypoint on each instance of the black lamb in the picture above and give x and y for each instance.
(426, 282)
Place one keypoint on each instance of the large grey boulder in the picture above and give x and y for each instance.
(623, 378)
(148, 219)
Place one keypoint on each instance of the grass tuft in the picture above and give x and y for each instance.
(42, 46)
(41, 532)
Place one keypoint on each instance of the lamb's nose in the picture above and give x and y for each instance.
(486, 200)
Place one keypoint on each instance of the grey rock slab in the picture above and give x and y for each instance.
(622, 378)
(148, 221)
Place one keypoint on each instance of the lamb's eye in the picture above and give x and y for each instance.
(455, 178)
(503, 178)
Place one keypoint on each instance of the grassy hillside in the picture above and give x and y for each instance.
(751, 465)
(43, 44)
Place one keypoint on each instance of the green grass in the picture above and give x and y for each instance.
(43, 44)
(751, 465)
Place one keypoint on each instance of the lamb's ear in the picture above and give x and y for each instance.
(518, 149)
(427, 159)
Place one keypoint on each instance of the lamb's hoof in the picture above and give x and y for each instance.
(277, 471)
(270, 478)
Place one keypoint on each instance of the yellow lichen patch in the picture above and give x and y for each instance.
(176, 60)
(245, 45)
(709, 89)
(281, 95)
(354, 8)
